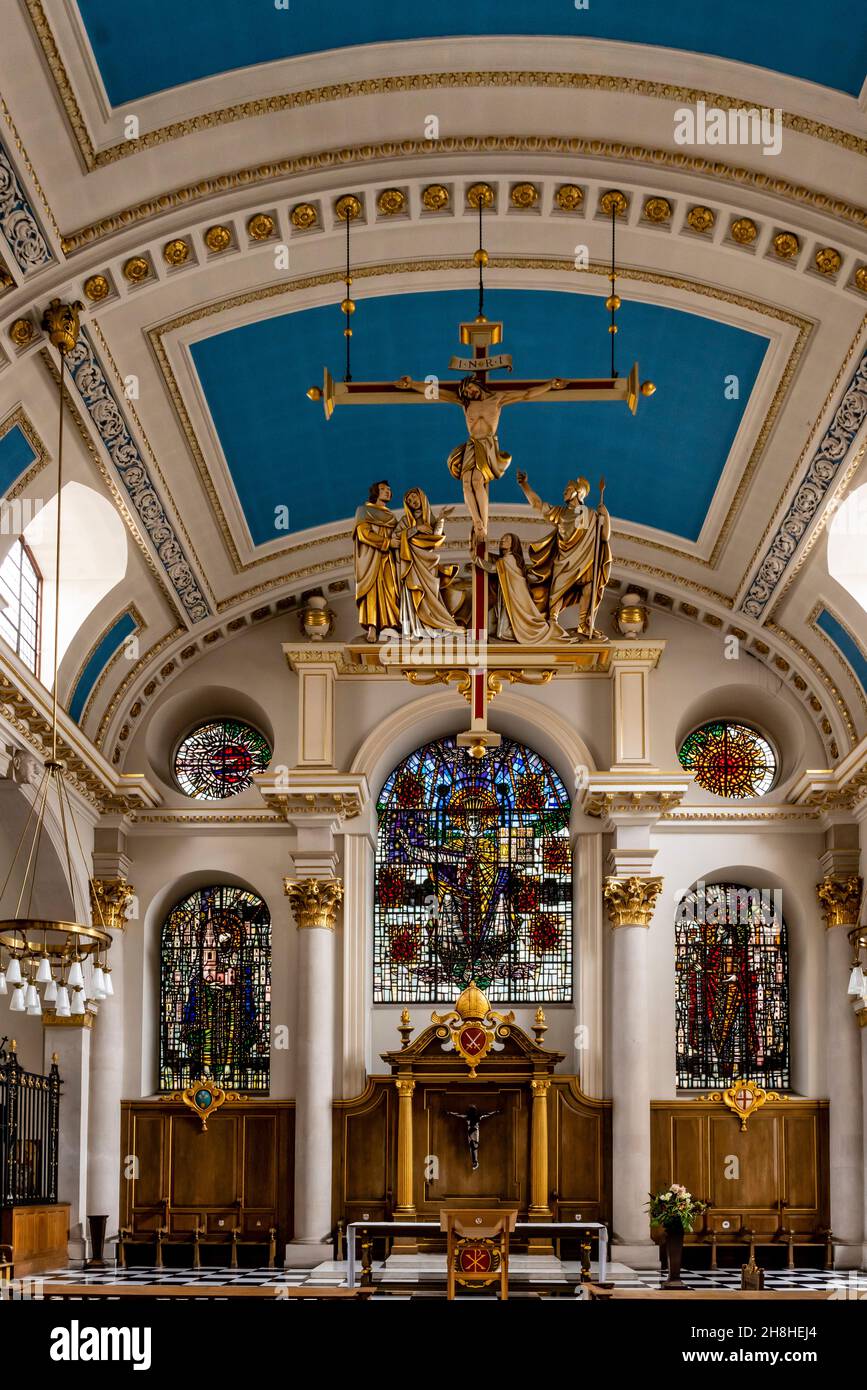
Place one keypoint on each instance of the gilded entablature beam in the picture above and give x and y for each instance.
(297, 793)
(26, 708)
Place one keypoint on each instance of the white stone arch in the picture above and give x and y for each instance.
(434, 716)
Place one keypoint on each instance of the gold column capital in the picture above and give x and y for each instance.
(405, 1087)
(314, 901)
(540, 1087)
(840, 899)
(861, 1015)
(109, 902)
(630, 902)
(51, 1020)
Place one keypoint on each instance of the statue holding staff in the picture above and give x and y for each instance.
(574, 559)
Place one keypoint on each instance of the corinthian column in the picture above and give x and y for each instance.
(539, 1209)
(405, 1208)
(314, 903)
(630, 902)
(109, 902)
(840, 901)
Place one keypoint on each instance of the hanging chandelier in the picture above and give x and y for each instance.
(66, 960)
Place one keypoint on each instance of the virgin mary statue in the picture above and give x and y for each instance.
(422, 610)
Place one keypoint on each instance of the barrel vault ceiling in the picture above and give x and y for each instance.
(124, 145)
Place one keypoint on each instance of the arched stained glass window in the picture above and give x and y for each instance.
(217, 759)
(473, 878)
(729, 759)
(732, 988)
(215, 991)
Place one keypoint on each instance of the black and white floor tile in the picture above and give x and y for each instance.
(424, 1273)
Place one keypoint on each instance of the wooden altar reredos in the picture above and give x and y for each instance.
(401, 1147)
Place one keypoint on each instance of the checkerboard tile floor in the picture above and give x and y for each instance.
(849, 1284)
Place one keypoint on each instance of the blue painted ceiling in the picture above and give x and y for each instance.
(661, 467)
(15, 455)
(165, 44)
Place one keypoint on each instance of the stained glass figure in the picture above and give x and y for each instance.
(729, 759)
(218, 759)
(215, 991)
(473, 878)
(732, 1017)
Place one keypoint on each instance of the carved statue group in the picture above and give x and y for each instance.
(402, 586)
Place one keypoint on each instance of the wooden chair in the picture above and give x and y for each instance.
(7, 1264)
(478, 1245)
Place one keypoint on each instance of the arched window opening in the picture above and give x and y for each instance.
(732, 988)
(21, 590)
(473, 878)
(215, 991)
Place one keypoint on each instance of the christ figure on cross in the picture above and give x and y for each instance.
(473, 1119)
(479, 460)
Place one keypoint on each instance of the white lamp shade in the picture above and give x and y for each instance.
(43, 974)
(62, 1009)
(13, 971)
(31, 995)
(35, 1008)
(109, 987)
(77, 1006)
(76, 975)
(16, 1003)
(50, 994)
(97, 983)
(3, 989)
(856, 981)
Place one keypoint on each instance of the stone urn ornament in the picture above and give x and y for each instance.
(316, 619)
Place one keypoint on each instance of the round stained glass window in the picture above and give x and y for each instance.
(218, 758)
(729, 759)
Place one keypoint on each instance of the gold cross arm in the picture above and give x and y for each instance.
(333, 393)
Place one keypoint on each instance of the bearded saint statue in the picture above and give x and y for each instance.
(574, 559)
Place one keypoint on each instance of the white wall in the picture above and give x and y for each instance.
(694, 681)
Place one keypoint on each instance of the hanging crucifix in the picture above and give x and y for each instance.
(479, 460)
(473, 1120)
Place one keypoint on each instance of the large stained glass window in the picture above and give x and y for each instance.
(473, 878)
(218, 758)
(215, 991)
(729, 759)
(732, 988)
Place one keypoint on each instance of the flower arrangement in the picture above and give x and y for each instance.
(674, 1208)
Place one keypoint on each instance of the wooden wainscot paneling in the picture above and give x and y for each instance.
(770, 1177)
(38, 1236)
(573, 1181)
(237, 1174)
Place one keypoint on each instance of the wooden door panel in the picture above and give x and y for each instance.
(204, 1162)
(260, 1160)
(503, 1149)
(758, 1168)
(366, 1154)
(150, 1184)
